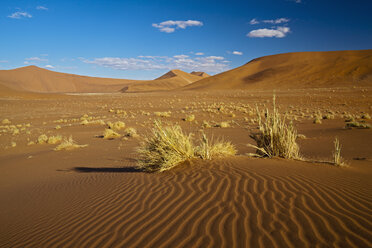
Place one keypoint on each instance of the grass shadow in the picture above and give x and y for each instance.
(107, 169)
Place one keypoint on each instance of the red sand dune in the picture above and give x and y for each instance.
(295, 70)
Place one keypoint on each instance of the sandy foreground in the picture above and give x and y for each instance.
(95, 197)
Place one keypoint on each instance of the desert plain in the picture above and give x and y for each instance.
(96, 196)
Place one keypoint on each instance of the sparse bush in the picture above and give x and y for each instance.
(358, 125)
(110, 134)
(42, 139)
(223, 124)
(54, 139)
(169, 146)
(337, 159)
(163, 114)
(130, 132)
(6, 121)
(68, 144)
(276, 138)
(317, 120)
(118, 125)
(209, 149)
(189, 118)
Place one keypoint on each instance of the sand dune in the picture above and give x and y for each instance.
(35, 79)
(171, 80)
(296, 70)
(232, 203)
(200, 73)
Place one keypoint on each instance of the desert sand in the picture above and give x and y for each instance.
(94, 196)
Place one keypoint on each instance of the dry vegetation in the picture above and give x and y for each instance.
(276, 137)
(169, 146)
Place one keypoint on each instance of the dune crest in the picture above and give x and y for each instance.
(295, 70)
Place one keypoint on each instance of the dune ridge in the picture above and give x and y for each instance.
(229, 203)
(39, 80)
(295, 70)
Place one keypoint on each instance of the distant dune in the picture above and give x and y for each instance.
(295, 70)
(35, 79)
(200, 73)
(171, 80)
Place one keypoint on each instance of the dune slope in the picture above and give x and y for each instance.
(295, 70)
(171, 80)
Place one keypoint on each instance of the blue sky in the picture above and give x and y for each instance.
(142, 39)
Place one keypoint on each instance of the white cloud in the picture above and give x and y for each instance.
(277, 21)
(49, 66)
(254, 21)
(4, 61)
(41, 8)
(211, 64)
(170, 26)
(279, 32)
(199, 54)
(237, 53)
(36, 59)
(180, 56)
(19, 15)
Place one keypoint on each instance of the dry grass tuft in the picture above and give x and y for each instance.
(68, 144)
(118, 125)
(110, 134)
(166, 148)
(130, 132)
(209, 149)
(54, 139)
(42, 139)
(359, 125)
(276, 138)
(169, 146)
(337, 159)
(189, 118)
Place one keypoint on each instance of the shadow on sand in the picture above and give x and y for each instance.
(107, 169)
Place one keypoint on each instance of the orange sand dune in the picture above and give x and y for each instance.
(35, 79)
(200, 73)
(296, 70)
(171, 80)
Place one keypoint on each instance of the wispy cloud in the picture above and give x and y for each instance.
(279, 32)
(19, 15)
(41, 8)
(49, 66)
(254, 21)
(211, 64)
(170, 26)
(237, 53)
(36, 59)
(199, 54)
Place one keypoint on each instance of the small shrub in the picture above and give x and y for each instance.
(118, 125)
(68, 144)
(337, 159)
(223, 124)
(54, 139)
(42, 139)
(167, 147)
(366, 116)
(110, 134)
(317, 120)
(276, 138)
(209, 149)
(130, 132)
(189, 118)
(6, 121)
(163, 114)
(358, 125)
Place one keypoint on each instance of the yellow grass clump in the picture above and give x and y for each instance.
(130, 132)
(42, 139)
(6, 121)
(208, 149)
(118, 125)
(54, 139)
(337, 159)
(163, 114)
(189, 118)
(276, 138)
(110, 134)
(169, 146)
(68, 144)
